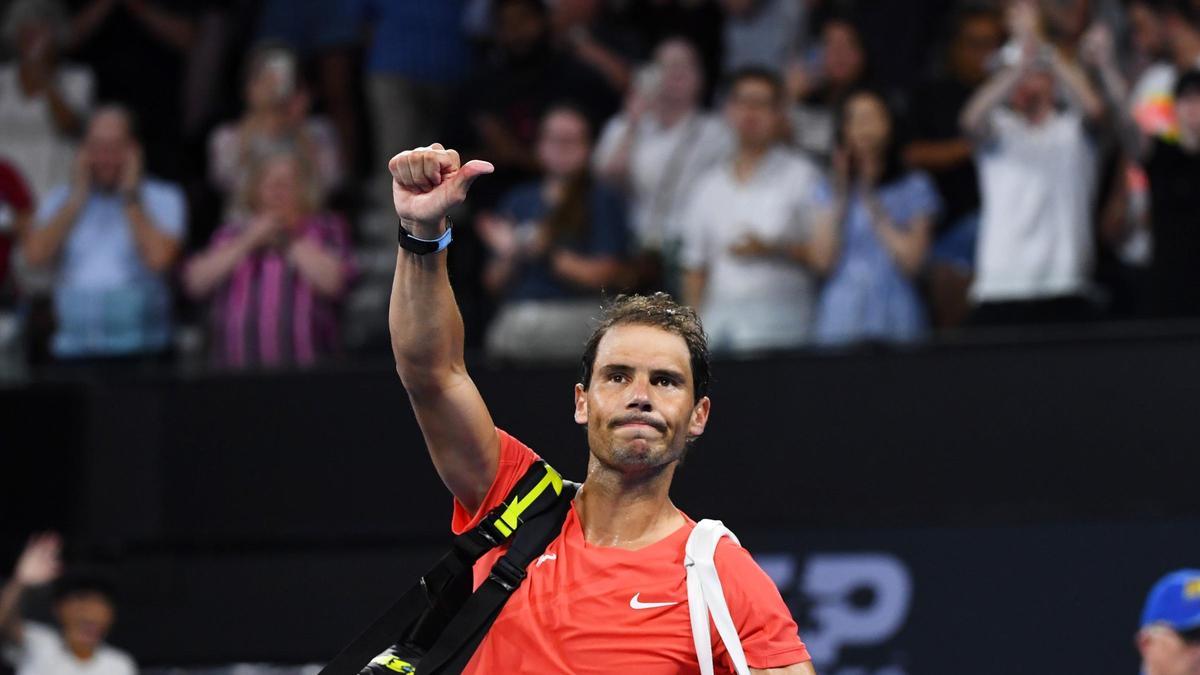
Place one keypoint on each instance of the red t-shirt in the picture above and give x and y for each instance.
(15, 194)
(576, 611)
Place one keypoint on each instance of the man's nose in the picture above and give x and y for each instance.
(639, 396)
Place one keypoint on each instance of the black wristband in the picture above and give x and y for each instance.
(424, 246)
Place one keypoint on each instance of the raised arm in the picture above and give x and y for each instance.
(39, 564)
(427, 329)
(974, 118)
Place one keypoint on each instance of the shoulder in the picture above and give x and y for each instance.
(39, 637)
(796, 168)
(114, 661)
(157, 188)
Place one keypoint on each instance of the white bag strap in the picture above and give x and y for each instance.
(705, 595)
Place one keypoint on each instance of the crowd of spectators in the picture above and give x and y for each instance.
(205, 180)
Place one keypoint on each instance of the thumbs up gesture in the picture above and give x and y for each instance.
(427, 183)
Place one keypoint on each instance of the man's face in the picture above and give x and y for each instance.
(519, 29)
(108, 146)
(754, 112)
(86, 619)
(639, 407)
(681, 75)
(978, 38)
(1187, 111)
(1165, 652)
(1033, 94)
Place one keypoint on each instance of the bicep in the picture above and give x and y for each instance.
(460, 435)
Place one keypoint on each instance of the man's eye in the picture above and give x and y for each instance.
(616, 377)
(665, 381)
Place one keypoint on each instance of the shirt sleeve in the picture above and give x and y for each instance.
(515, 460)
(695, 231)
(769, 635)
(167, 210)
(50, 205)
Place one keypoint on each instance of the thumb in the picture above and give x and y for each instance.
(468, 172)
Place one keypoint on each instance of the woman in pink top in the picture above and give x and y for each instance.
(274, 278)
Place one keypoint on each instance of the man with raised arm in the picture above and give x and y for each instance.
(608, 594)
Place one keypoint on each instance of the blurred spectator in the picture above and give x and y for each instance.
(657, 148)
(746, 230)
(416, 55)
(16, 212)
(138, 49)
(582, 30)
(762, 33)
(274, 276)
(42, 102)
(1037, 168)
(555, 245)
(1172, 166)
(939, 146)
(112, 234)
(1169, 638)
(527, 74)
(83, 608)
(1179, 23)
(276, 118)
(700, 22)
(324, 34)
(819, 87)
(873, 234)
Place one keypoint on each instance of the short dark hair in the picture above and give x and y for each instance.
(659, 311)
(75, 584)
(757, 74)
(1188, 83)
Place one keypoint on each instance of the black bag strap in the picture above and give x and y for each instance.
(460, 639)
(428, 606)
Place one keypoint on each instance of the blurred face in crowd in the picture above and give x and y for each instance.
(520, 29)
(280, 186)
(681, 76)
(844, 57)
(1166, 652)
(1033, 96)
(639, 407)
(563, 143)
(1146, 31)
(755, 112)
(978, 38)
(1187, 112)
(867, 127)
(272, 80)
(85, 618)
(109, 146)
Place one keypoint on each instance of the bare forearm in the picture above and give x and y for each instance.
(10, 608)
(324, 270)
(591, 273)
(974, 116)
(41, 245)
(178, 32)
(425, 324)
(211, 269)
(158, 250)
(65, 119)
(1079, 91)
(907, 246)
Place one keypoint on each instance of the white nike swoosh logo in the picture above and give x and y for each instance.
(634, 603)
(544, 558)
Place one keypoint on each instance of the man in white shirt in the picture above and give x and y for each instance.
(83, 608)
(746, 230)
(1037, 168)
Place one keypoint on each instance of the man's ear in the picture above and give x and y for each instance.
(581, 408)
(699, 418)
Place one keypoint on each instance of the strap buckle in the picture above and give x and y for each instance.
(507, 573)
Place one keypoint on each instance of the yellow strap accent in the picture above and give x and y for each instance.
(507, 522)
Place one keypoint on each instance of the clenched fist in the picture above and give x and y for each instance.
(428, 182)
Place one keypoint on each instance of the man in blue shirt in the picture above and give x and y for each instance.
(111, 235)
